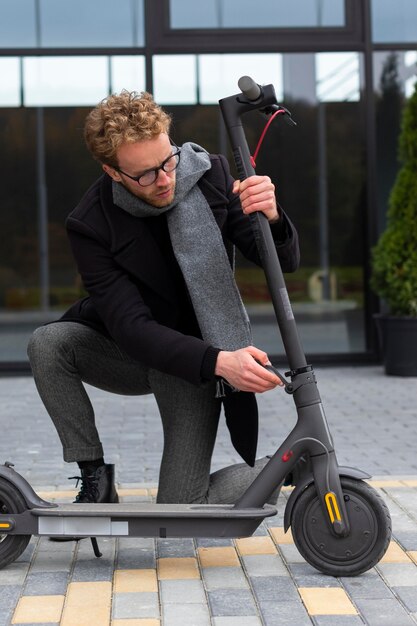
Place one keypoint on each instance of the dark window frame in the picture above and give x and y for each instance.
(167, 39)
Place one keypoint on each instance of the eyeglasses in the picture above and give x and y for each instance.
(149, 177)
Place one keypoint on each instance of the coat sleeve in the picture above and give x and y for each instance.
(126, 316)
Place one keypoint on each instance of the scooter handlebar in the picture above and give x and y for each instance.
(249, 88)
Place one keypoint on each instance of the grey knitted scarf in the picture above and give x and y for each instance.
(200, 252)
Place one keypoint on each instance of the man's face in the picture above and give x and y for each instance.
(136, 159)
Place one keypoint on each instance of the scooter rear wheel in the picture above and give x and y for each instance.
(11, 546)
(370, 530)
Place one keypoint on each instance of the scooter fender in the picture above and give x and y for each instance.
(33, 501)
(306, 480)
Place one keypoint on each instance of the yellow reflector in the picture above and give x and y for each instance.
(4, 525)
(332, 507)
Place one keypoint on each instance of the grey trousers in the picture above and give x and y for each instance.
(64, 355)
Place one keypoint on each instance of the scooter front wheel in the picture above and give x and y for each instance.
(367, 542)
(11, 546)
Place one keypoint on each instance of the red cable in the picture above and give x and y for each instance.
(261, 138)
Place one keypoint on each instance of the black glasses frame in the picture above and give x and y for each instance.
(154, 170)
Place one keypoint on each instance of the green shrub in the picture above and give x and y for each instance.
(394, 258)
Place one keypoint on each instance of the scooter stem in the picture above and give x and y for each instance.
(232, 109)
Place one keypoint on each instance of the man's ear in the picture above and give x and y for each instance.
(114, 174)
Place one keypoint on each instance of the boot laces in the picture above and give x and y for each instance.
(89, 487)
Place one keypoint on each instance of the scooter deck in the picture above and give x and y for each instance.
(141, 520)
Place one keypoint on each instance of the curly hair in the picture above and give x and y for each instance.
(127, 117)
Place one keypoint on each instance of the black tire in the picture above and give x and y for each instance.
(11, 546)
(370, 530)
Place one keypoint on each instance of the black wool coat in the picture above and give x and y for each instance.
(131, 290)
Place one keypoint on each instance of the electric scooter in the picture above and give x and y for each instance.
(340, 524)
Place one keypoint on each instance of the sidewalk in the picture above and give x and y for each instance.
(256, 581)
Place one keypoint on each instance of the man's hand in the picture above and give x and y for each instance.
(257, 193)
(242, 369)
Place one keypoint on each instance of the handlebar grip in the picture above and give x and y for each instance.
(249, 88)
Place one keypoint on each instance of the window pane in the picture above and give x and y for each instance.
(175, 80)
(394, 21)
(62, 81)
(395, 74)
(337, 76)
(76, 23)
(17, 24)
(219, 73)
(96, 23)
(127, 72)
(10, 82)
(249, 14)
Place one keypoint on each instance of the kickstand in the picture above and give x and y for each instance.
(94, 543)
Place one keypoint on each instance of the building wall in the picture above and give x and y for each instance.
(343, 68)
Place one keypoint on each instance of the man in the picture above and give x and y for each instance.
(153, 240)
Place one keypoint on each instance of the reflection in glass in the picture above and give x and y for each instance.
(175, 79)
(337, 76)
(75, 24)
(321, 186)
(17, 24)
(249, 14)
(395, 74)
(63, 81)
(219, 73)
(127, 72)
(394, 21)
(10, 82)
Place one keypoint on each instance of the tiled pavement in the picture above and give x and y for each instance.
(261, 580)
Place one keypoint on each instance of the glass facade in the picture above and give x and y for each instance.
(394, 21)
(75, 24)
(320, 167)
(249, 14)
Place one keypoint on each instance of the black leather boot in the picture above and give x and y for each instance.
(97, 486)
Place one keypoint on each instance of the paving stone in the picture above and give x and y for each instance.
(135, 605)
(231, 602)
(51, 562)
(291, 554)
(369, 418)
(399, 574)
(175, 548)
(135, 580)
(383, 613)
(182, 592)
(225, 556)
(407, 595)
(47, 608)
(9, 594)
(31, 624)
(213, 542)
(307, 576)
(407, 539)
(186, 615)
(284, 614)
(274, 589)
(224, 578)
(249, 620)
(46, 583)
(264, 565)
(337, 620)
(178, 568)
(369, 586)
(93, 569)
(326, 601)
(139, 549)
(14, 574)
